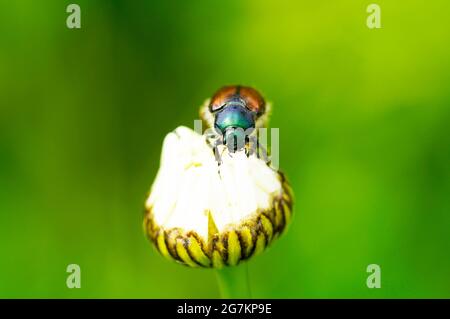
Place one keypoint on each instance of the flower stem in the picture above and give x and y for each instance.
(234, 282)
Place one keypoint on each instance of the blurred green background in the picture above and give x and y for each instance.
(364, 120)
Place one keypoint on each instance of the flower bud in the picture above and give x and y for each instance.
(204, 214)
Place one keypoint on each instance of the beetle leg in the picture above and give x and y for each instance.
(216, 151)
(250, 147)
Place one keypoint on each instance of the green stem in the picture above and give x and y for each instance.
(234, 282)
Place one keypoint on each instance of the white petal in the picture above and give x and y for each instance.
(190, 183)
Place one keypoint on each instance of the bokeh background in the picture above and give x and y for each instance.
(364, 120)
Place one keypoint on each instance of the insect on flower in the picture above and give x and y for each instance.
(202, 214)
(235, 112)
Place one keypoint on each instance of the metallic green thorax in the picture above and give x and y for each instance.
(235, 116)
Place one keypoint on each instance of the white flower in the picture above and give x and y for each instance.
(201, 213)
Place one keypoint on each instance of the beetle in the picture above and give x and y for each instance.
(235, 111)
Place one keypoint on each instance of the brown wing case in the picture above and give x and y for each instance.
(254, 101)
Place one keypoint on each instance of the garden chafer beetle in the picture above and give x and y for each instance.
(235, 112)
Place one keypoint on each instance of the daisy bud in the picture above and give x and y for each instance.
(204, 214)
